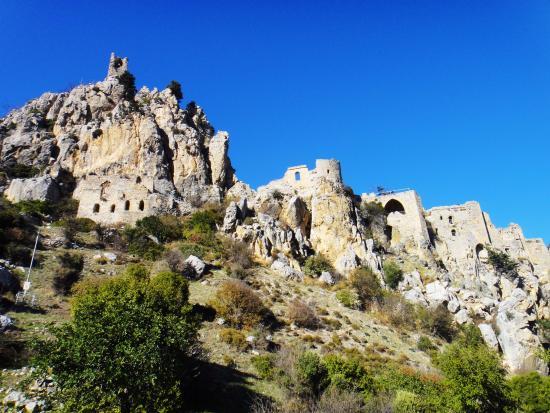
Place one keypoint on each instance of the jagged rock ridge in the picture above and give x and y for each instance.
(126, 155)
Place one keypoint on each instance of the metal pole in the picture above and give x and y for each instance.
(32, 258)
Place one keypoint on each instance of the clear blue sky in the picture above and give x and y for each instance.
(451, 98)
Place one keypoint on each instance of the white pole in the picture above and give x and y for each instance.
(32, 258)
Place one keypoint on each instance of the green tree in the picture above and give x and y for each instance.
(531, 391)
(367, 285)
(128, 347)
(175, 87)
(474, 378)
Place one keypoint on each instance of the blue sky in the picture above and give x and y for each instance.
(449, 98)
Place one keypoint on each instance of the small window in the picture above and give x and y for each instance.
(112, 208)
(297, 176)
(141, 205)
(441, 217)
(450, 219)
(138, 180)
(453, 233)
(127, 206)
(96, 208)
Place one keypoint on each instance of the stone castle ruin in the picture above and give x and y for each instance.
(127, 154)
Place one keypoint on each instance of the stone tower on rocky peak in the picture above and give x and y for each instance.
(117, 65)
(126, 155)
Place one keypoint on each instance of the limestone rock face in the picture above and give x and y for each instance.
(106, 137)
(43, 188)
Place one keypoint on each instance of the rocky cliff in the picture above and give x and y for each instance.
(126, 154)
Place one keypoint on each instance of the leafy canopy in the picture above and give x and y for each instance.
(128, 347)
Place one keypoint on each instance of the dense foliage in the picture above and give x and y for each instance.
(128, 347)
(315, 265)
(393, 274)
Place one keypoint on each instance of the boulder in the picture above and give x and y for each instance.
(8, 281)
(232, 218)
(327, 278)
(282, 266)
(42, 188)
(5, 322)
(488, 335)
(196, 265)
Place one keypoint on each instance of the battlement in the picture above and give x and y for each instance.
(300, 176)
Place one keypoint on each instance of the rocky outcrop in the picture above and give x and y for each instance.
(107, 132)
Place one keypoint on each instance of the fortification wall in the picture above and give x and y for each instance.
(300, 177)
(406, 224)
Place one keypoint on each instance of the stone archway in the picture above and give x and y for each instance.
(393, 205)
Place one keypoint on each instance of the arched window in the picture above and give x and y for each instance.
(393, 205)
(141, 205)
(450, 219)
(138, 180)
(127, 206)
(453, 232)
(96, 208)
(112, 208)
(297, 176)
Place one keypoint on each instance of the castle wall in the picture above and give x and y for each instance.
(408, 227)
(110, 200)
(300, 177)
(459, 229)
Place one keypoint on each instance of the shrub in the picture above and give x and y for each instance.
(164, 228)
(393, 274)
(129, 346)
(140, 244)
(190, 248)
(129, 82)
(335, 400)
(19, 170)
(73, 225)
(425, 344)
(34, 207)
(175, 260)
(238, 304)
(315, 265)
(397, 311)
(175, 87)
(301, 314)
(311, 374)
(348, 374)
(237, 252)
(68, 272)
(348, 298)
(438, 321)
(201, 226)
(367, 285)
(234, 338)
(502, 262)
(235, 270)
(531, 392)
(474, 377)
(264, 365)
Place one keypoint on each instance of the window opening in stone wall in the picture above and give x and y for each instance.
(141, 205)
(394, 205)
(127, 206)
(112, 208)
(450, 219)
(138, 180)
(453, 233)
(297, 176)
(96, 208)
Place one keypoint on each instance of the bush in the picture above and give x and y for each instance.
(238, 304)
(393, 275)
(335, 400)
(129, 346)
(438, 322)
(367, 285)
(502, 262)
(531, 392)
(175, 87)
(348, 374)
(474, 378)
(129, 82)
(397, 311)
(189, 248)
(311, 375)
(34, 207)
(315, 265)
(73, 225)
(301, 314)
(176, 261)
(68, 272)
(164, 228)
(234, 338)
(237, 252)
(425, 344)
(264, 365)
(141, 245)
(19, 170)
(348, 298)
(235, 270)
(200, 227)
